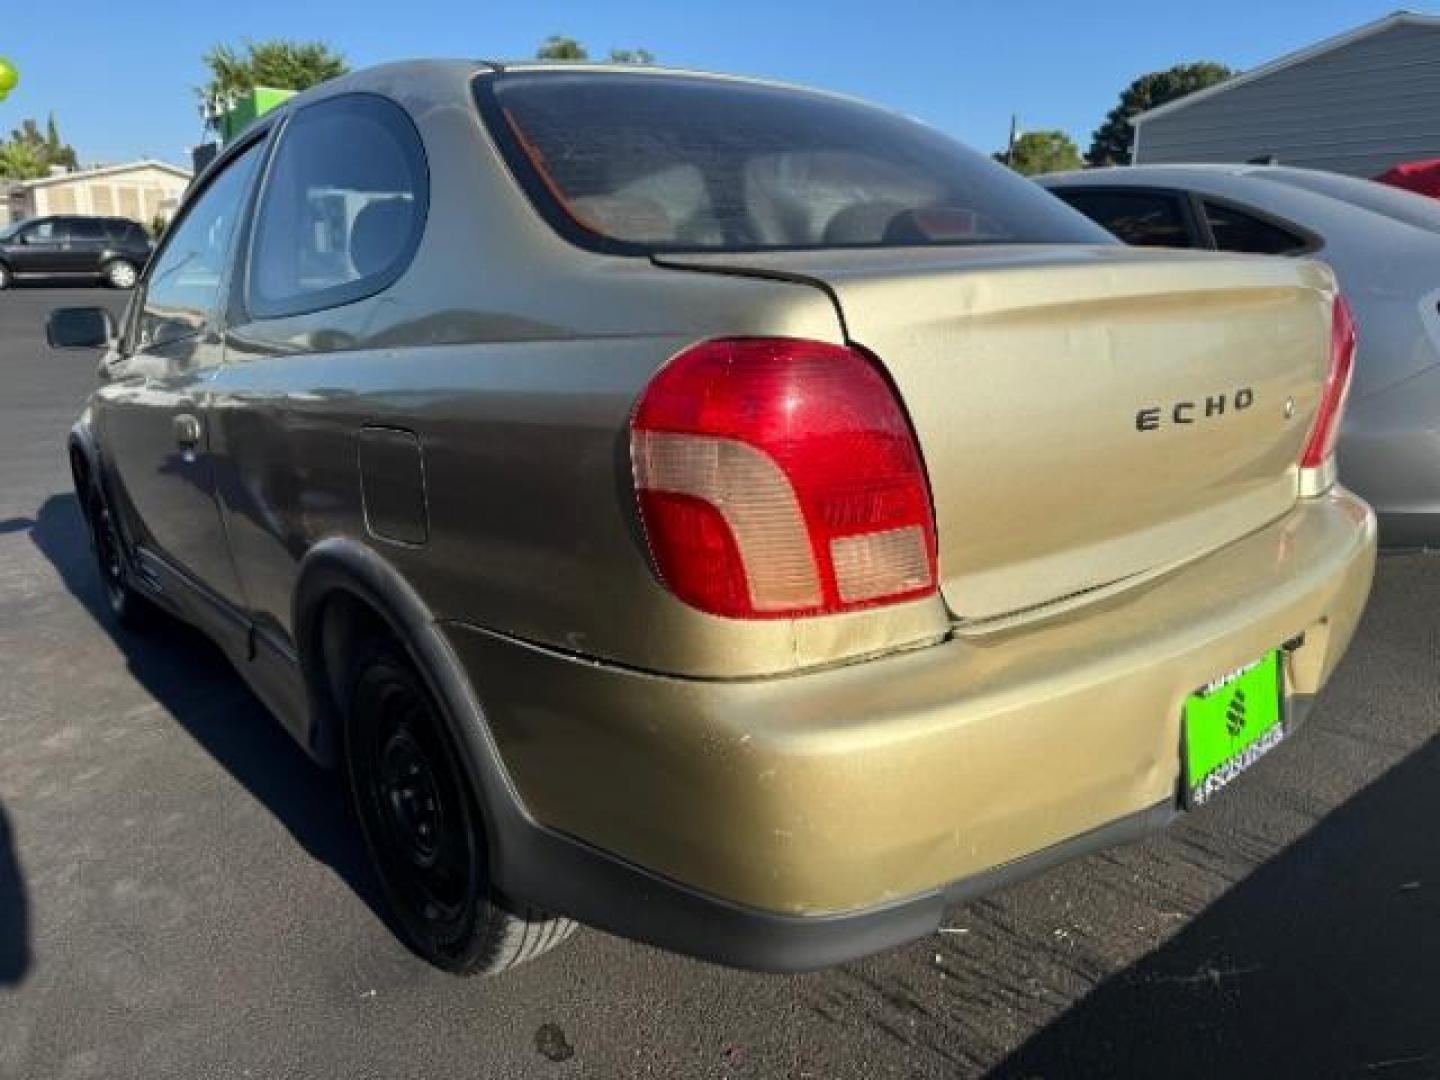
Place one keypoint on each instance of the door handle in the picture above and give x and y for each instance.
(187, 435)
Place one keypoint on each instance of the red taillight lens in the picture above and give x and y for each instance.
(1337, 386)
(779, 478)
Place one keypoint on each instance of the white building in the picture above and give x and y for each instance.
(140, 190)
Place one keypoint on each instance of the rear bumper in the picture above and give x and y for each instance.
(795, 822)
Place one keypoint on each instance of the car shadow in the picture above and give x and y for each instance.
(1324, 962)
(192, 679)
(14, 911)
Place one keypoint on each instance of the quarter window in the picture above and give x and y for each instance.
(1235, 230)
(185, 280)
(1140, 218)
(343, 207)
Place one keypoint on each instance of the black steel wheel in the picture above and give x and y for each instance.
(128, 608)
(423, 827)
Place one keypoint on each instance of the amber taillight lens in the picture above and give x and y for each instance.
(1337, 386)
(779, 478)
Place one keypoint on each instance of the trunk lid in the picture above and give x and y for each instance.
(1086, 414)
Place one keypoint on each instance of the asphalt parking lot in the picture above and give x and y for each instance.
(182, 893)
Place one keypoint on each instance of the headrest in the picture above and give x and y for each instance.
(625, 217)
(379, 234)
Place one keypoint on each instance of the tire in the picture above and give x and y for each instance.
(423, 826)
(6, 277)
(120, 274)
(129, 608)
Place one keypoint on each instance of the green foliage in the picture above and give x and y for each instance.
(278, 63)
(21, 161)
(1112, 141)
(631, 56)
(559, 47)
(1038, 152)
(156, 227)
(30, 153)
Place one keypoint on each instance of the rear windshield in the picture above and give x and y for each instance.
(1406, 207)
(659, 162)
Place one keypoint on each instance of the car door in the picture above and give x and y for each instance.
(153, 406)
(40, 248)
(340, 217)
(85, 242)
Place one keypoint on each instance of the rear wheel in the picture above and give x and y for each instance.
(125, 604)
(423, 827)
(121, 274)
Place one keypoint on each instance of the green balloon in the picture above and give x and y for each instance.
(8, 76)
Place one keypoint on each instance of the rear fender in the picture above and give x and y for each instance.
(340, 566)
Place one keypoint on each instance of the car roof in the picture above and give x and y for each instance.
(1141, 175)
(393, 79)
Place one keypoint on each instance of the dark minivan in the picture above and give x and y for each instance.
(114, 250)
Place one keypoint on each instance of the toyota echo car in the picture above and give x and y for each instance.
(724, 514)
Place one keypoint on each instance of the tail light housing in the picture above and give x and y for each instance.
(1326, 428)
(779, 478)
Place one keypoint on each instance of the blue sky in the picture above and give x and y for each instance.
(119, 76)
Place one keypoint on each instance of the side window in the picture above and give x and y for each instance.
(186, 275)
(1235, 230)
(42, 232)
(343, 207)
(1141, 218)
(87, 230)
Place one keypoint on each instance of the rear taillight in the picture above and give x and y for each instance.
(779, 478)
(1337, 386)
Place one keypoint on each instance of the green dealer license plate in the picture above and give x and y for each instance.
(1230, 724)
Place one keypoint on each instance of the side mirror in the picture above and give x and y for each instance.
(80, 328)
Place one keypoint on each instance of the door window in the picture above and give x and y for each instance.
(1140, 218)
(1235, 230)
(189, 271)
(343, 207)
(42, 232)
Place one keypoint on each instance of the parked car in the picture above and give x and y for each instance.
(729, 515)
(1384, 245)
(112, 250)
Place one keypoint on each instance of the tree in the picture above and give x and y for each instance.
(559, 47)
(631, 56)
(29, 153)
(278, 63)
(21, 161)
(56, 150)
(1112, 141)
(1042, 151)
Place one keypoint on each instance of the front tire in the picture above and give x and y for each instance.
(423, 826)
(121, 274)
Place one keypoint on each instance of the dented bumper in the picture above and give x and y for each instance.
(865, 787)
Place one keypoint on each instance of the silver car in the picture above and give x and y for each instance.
(1384, 245)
